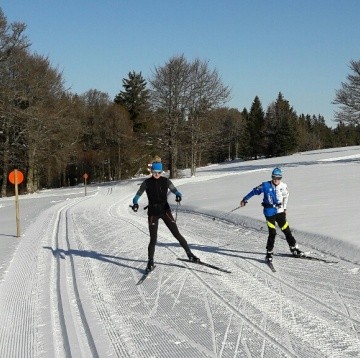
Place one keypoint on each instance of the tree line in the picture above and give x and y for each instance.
(54, 136)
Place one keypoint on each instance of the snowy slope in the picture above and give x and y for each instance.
(69, 284)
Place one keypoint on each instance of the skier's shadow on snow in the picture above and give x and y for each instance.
(221, 251)
(61, 253)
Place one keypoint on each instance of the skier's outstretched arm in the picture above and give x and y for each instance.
(256, 191)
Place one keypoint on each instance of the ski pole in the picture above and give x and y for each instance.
(176, 211)
(238, 207)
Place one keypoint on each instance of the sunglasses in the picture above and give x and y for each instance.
(276, 178)
(155, 172)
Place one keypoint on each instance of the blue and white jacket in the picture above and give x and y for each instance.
(275, 197)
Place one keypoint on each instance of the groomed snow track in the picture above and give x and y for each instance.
(71, 290)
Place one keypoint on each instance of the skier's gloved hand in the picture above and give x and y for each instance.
(243, 203)
(178, 197)
(135, 205)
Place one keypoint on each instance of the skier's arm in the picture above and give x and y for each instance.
(139, 192)
(256, 191)
(285, 198)
(173, 189)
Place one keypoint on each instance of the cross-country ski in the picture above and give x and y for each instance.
(145, 275)
(205, 264)
(271, 265)
(312, 258)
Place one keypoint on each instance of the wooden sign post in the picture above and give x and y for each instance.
(85, 176)
(16, 177)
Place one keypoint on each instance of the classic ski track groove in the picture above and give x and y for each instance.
(64, 273)
(105, 312)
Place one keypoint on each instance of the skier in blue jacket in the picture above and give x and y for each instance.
(275, 201)
(156, 188)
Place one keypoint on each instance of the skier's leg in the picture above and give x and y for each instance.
(285, 228)
(270, 221)
(153, 229)
(171, 224)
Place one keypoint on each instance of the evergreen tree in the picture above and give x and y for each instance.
(135, 98)
(255, 124)
(280, 132)
(245, 148)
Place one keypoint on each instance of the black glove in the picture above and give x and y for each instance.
(135, 207)
(178, 198)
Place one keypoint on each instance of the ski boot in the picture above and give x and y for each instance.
(192, 257)
(269, 256)
(296, 252)
(150, 266)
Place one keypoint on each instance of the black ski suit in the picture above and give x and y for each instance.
(158, 208)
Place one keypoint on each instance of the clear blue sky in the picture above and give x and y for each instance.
(259, 47)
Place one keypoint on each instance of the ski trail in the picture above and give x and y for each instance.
(328, 307)
(176, 299)
(197, 234)
(211, 322)
(341, 301)
(74, 337)
(226, 335)
(156, 302)
(278, 277)
(141, 290)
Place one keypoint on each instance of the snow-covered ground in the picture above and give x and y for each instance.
(68, 285)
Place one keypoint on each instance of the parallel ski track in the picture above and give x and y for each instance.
(105, 312)
(63, 301)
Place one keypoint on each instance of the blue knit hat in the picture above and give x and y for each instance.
(156, 166)
(276, 173)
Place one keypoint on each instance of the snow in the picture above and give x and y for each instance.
(68, 285)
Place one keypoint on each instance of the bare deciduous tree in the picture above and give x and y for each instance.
(41, 91)
(185, 92)
(11, 37)
(348, 97)
(206, 92)
(170, 86)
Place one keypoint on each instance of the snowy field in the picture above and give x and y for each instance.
(68, 285)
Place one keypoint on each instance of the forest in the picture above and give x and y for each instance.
(55, 136)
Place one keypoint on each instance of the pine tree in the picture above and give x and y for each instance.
(280, 132)
(255, 126)
(135, 98)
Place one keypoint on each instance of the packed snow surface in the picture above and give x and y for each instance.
(69, 285)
